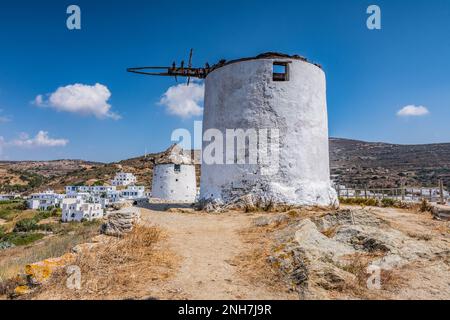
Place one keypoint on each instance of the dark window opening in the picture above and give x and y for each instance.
(177, 168)
(280, 71)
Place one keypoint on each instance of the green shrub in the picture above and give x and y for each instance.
(360, 201)
(45, 214)
(48, 227)
(26, 225)
(373, 202)
(11, 207)
(388, 202)
(22, 239)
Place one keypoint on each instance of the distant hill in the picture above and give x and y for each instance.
(352, 163)
(388, 165)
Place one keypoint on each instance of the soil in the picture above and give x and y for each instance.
(209, 245)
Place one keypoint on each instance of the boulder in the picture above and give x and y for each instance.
(40, 272)
(441, 212)
(315, 244)
(120, 222)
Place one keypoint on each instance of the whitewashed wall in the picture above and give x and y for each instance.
(174, 186)
(243, 95)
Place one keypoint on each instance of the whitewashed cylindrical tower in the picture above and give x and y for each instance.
(174, 177)
(273, 92)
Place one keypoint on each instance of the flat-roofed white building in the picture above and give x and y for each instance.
(101, 189)
(123, 179)
(91, 189)
(44, 200)
(133, 192)
(6, 197)
(113, 196)
(76, 209)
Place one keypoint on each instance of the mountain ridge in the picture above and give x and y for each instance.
(352, 162)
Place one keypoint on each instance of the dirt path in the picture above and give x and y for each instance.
(208, 244)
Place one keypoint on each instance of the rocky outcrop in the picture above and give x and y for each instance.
(441, 212)
(40, 272)
(334, 250)
(120, 222)
(318, 246)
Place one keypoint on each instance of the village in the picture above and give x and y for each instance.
(86, 202)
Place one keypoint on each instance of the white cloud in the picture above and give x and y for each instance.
(80, 98)
(413, 111)
(41, 139)
(184, 101)
(4, 119)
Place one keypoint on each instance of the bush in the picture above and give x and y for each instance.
(360, 201)
(2, 232)
(48, 227)
(41, 215)
(388, 202)
(425, 206)
(22, 239)
(26, 225)
(5, 245)
(11, 207)
(385, 203)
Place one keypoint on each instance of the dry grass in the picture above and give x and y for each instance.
(253, 264)
(357, 265)
(122, 268)
(331, 231)
(13, 260)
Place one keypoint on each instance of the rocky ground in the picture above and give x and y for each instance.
(338, 254)
(346, 253)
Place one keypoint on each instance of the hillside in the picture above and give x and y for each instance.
(389, 165)
(352, 162)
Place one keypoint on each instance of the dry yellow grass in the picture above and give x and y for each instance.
(122, 268)
(357, 265)
(13, 260)
(254, 265)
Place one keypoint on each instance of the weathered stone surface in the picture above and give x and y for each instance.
(39, 272)
(211, 206)
(318, 245)
(240, 95)
(441, 212)
(121, 222)
(315, 263)
(270, 220)
(121, 205)
(22, 290)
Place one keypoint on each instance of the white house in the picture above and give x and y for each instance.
(133, 192)
(113, 196)
(123, 179)
(91, 189)
(6, 197)
(102, 189)
(44, 200)
(76, 209)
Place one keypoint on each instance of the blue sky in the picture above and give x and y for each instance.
(371, 74)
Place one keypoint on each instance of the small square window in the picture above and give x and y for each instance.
(177, 168)
(280, 71)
